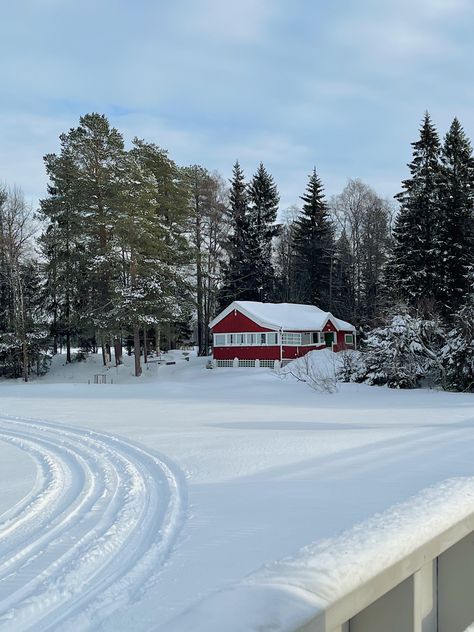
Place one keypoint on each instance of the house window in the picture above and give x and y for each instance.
(292, 339)
(349, 339)
(272, 339)
(315, 337)
(219, 340)
(230, 339)
(251, 339)
(239, 339)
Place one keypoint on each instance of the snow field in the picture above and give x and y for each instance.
(96, 526)
(271, 466)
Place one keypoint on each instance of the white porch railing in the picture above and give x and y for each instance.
(409, 569)
(430, 590)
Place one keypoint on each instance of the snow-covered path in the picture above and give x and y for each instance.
(92, 533)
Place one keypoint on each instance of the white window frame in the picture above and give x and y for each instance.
(291, 339)
(296, 338)
(275, 341)
(216, 341)
(346, 341)
(249, 339)
(318, 336)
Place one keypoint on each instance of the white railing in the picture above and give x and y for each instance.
(409, 569)
(430, 590)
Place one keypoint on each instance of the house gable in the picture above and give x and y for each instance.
(237, 322)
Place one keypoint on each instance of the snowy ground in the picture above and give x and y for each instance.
(216, 474)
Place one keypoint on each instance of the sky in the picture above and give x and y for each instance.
(341, 86)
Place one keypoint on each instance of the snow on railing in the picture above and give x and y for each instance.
(409, 569)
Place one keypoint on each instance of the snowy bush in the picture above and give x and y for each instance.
(351, 366)
(458, 352)
(401, 354)
(317, 369)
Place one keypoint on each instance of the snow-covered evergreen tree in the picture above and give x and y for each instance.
(400, 354)
(343, 279)
(313, 244)
(240, 279)
(263, 209)
(458, 352)
(64, 250)
(414, 266)
(455, 231)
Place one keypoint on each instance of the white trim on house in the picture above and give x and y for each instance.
(261, 339)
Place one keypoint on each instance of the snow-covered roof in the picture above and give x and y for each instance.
(288, 316)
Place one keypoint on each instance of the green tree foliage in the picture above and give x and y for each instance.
(263, 209)
(413, 270)
(240, 274)
(314, 247)
(455, 242)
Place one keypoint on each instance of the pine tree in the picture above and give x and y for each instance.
(208, 223)
(343, 279)
(97, 151)
(150, 229)
(413, 269)
(263, 209)
(240, 282)
(64, 250)
(314, 248)
(455, 235)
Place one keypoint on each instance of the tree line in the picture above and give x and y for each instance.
(427, 333)
(130, 250)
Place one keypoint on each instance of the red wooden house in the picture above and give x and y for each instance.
(248, 331)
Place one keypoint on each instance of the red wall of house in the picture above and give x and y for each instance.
(246, 353)
(235, 322)
(261, 353)
(340, 342)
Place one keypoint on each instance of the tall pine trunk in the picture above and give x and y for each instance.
(136, 349)
(157, 339)
(145, 346)
(104, 353)
(68, 347)
(118, 350)
(136, 328)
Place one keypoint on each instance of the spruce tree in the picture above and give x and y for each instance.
(413, 269)
(313, 244)
(263, 209)
(455, 235)
(240, 282)
(343, 279)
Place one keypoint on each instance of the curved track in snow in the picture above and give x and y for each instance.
(92, 533)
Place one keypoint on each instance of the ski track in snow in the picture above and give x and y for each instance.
(93, 532)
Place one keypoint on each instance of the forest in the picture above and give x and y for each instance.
(128, 250)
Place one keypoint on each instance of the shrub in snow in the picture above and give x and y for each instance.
(317, 369)
(458, 352)
(401, 354)
(351, 366)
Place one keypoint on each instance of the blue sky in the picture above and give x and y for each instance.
(338, 85)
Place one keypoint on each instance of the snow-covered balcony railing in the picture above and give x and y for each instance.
(410, 569)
